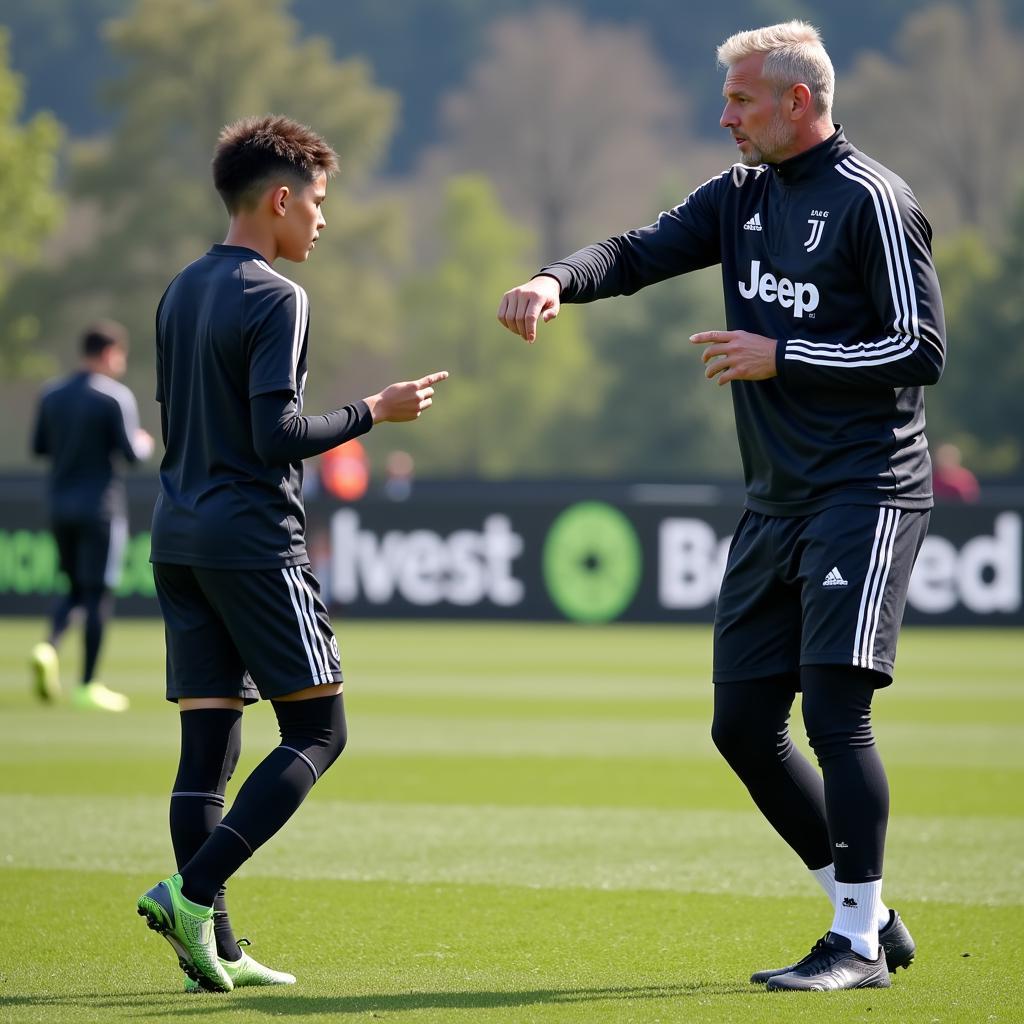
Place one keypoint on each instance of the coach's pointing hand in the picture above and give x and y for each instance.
(736, 355)
(406, 400)
(522, 307)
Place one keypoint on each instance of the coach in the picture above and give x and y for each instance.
(835, 326)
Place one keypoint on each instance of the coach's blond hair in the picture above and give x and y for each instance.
(793, 53)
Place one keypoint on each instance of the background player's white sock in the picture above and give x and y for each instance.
(826, 878)
(856, 915)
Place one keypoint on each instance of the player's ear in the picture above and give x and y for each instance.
(279, 198)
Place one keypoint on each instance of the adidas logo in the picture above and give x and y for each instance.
(834, 579)
(849, 901)
(754, 224)
(842, 846)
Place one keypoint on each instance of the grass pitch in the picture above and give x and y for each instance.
(529, 824)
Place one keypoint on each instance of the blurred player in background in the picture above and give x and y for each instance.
(952, 480)
(835, 326)
(241, 607)
(86, 425)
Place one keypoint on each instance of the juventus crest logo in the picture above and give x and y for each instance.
(817, 227)
(817, 222)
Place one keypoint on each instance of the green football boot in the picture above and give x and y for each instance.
(246, 972)
(95, 696)
(188, 927)
(45, 671)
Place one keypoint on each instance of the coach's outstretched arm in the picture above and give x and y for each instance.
(682, 239)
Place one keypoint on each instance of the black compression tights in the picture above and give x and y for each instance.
(841, 817)
(98, 602)
(313, 735)
(211, 742)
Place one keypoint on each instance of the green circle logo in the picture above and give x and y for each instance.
(592, 562)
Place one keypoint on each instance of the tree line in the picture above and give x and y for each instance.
(537, 150)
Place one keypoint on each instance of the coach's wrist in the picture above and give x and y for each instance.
(780, 358)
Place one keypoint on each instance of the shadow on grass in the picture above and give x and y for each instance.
(290, 1003)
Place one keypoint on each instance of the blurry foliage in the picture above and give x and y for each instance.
(508, 407)
(425, 48)
(978, 402)
(187, 68)
(542, 118)
(567, 121)
(30, 208)
(945, 112)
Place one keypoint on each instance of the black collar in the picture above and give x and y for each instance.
(814, 161)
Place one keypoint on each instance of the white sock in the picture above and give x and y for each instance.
(826, 878)
(856, 915)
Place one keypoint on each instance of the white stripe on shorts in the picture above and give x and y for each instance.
(873, 594)
(319, 644)
(314, 671)
(318, 647)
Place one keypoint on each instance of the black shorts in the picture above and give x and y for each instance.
(823, 589)
(91, 551)
(244, 633)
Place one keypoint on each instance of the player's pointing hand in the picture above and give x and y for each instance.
(406, 400)
(522, 307)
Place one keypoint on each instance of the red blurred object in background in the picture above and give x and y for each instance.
(345, 471)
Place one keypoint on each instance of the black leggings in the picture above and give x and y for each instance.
(313, 735)
(98, 603)
(839, 816)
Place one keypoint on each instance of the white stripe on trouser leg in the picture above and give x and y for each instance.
(887, 565)
(115, 551)
(316, 639)
(301, 621)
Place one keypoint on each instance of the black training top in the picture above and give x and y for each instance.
(231, 342)
(86, 423)
(829, 253)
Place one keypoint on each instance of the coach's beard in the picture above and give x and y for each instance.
(774, 144)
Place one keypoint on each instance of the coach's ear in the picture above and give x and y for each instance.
(797, 101)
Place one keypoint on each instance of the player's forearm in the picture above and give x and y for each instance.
(280, 435)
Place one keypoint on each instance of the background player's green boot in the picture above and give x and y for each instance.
(246, 972)
(97, 697)
(188, 927)
(45, 671)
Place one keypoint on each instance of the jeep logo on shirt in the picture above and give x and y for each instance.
(801, 295)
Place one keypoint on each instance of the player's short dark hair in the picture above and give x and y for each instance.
(98, 337)
(251, 152)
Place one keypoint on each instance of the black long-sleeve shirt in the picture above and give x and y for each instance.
(829, 253)
(86, 425)
(231, 343)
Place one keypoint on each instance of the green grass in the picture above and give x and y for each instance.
(530, 824)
